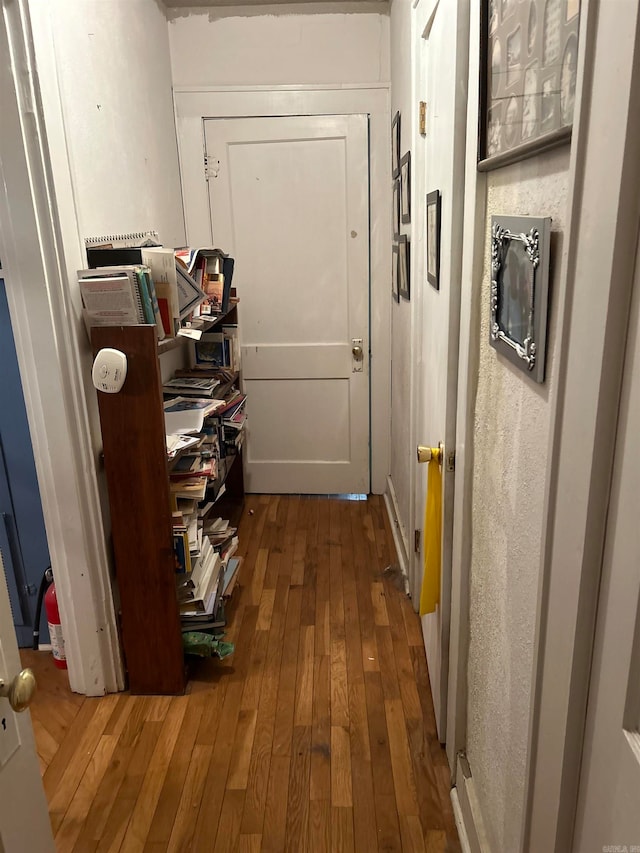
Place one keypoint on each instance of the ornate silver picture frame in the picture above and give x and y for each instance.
(520, 248)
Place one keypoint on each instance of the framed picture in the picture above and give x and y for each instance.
(405, 187)
(396, 208)
(528, 66)
(395, 145)
(404, 269)
(520, 290)
(395, 269)
(433, 239)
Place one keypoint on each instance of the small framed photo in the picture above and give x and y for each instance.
(405, 187)
(395, 269)
(404, 267)
(433, 239)
(395, 145)
(396, 209)
(520, 247)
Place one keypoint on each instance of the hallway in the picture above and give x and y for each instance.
(317, 734)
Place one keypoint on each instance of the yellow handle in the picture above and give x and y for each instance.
(430, 592)
(426, 454)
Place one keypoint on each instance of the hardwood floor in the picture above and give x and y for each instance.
(318, 734)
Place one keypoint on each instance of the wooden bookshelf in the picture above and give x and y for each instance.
(135, 463)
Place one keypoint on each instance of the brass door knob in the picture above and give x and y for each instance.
(20, 690)
(357, 353)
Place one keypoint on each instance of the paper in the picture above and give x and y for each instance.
(108, 298)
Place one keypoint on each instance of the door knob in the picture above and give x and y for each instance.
(426, 454)
(356, 351)
(20, 690)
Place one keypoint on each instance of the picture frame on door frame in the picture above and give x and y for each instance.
(395, 145)
(405, 188)
(395, 272)
(520, 249)
(432, 221)
(528, 73)
(404, 267)
(396, 209)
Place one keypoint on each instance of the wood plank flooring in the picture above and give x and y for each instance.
(318, 734)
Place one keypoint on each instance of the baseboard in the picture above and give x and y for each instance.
(467, 811)
(459, 819)
(391, 503)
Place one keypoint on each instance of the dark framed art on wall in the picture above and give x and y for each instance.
(405, 188)
(404, 267)
(528, 70)
(395, 145)
(395, 273)
(433, 239)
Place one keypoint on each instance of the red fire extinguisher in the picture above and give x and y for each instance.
(55, 628)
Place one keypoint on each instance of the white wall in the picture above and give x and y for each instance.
(402, 455)
(512, 417)
(249, 46)
(115, 86)
(105, 80)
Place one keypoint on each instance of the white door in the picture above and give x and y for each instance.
(289, 199)
(438, 164)
(24, 819)
(608, 805)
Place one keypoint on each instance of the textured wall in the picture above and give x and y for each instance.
(401, 344)
(511, 436)
(235, 47)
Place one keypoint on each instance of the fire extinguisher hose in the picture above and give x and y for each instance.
(45, 583)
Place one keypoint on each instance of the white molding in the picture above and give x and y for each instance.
(598, 264)
(469, 815)
(46, 332)
(399, 535)
(283, 87)
(194, 104)
(468, 366)
(458, 816)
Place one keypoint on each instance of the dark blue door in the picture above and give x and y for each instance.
(23, 540)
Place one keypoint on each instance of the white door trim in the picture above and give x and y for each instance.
(193, 105)
(598, 267)
(46, 333)
(468, 364)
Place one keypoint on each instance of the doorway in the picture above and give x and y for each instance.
(441, 49)
(23, 538)
(288, 199)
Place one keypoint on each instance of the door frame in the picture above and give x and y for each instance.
(422, 15)
(36, 229)
(195, 104)
(598, 266)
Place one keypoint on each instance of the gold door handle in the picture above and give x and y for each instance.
(20, 690)
(356, 352)
(426, 454)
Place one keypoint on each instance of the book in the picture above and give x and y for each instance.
(200, 386)
(181, 552)
(231, 574)
(189, 294)
(155, 308)
(186, 415)
(141, 284)
(162, 263)
(195, 488)
(109, 298)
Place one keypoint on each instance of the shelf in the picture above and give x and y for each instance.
(202, 324)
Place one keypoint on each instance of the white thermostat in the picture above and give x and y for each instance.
(109, 370)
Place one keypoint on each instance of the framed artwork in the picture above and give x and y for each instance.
(520, 248)
(405, 187)
(433, 239)
(395, 145)
(528, 69)
(395, 269)
(404, 269)
(396, 209)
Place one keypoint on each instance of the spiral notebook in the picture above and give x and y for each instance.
(131, 240)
